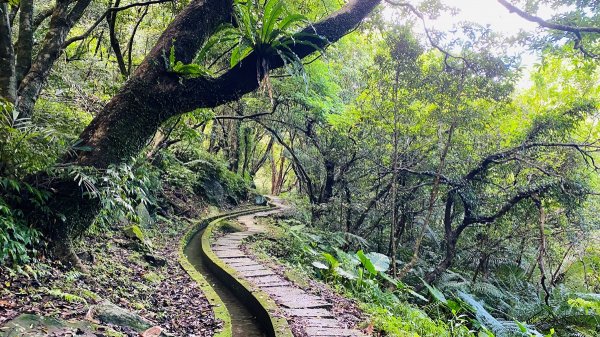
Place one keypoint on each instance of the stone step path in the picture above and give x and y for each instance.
(313, 312)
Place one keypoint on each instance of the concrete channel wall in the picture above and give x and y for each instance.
(258, 302)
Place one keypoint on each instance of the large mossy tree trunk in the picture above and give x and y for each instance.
(153, 94)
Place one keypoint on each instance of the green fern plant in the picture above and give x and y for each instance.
(268, 30)
(191, 70)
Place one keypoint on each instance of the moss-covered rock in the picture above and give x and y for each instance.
(30, 325)
(109, 313)
(155, 260)
(212, 190)
(145, 219)
(260, 200)
(227, 226)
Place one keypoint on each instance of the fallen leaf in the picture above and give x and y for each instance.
(89, 316)
(369, 329)
(152, 332)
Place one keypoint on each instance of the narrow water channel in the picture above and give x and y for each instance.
(243, 322)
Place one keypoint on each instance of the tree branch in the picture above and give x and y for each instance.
(210, 92)
(63, 19)
(132, 38)
(105, 14)
(418, 14)
(507, 206)
(244, 117)
(297, 162)
(41, 17)
(153, 94)
(546, 24)
(575, 30)
(111, 19)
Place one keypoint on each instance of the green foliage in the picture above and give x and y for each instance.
(366, 262)
(18, 140)
(436, 293)
(31, 145)
(119, 188)
(191, 70)
(196, 171)
(380, 85)
(17, 240)
(360, 276)
(380, 262)
(266, 31)
(502, 306)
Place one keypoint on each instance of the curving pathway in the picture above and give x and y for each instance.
(313, 312)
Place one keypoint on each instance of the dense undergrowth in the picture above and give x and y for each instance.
(130, 252)
(141, 190)
(504, 304)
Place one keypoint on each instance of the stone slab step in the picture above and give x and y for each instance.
(304, 303)
(333, 332)
(265, 279)
(248, 267)
(239, 235)
(267, 285)
(321, 323)
(242, 261)
(318, 313)
(224, 247)
(226, 242)
(257, 272)
(285, 291)
(229, 254)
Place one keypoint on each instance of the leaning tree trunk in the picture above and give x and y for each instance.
(25, 42)
(7, 60)
(64, 17)
(153, 94)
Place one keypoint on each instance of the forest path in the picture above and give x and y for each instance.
(311, 311)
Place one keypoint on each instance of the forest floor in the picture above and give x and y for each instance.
(149, 284)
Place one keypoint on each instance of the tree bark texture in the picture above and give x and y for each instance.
(7, 57)
(24, 47)
(62, 20)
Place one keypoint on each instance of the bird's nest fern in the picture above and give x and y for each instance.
(269, 30)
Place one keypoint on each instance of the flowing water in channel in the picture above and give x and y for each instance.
(243, 322)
